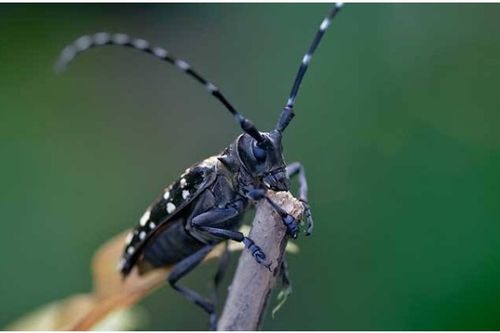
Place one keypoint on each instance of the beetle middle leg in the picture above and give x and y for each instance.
(286, 286)
(214, 221)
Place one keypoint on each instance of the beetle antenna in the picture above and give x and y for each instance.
(287, 113)
(86, 42)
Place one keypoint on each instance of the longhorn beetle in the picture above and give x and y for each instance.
(204, 207)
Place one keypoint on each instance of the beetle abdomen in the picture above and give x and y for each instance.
(168, 247)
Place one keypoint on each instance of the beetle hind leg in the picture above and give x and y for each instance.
(286, 287)
(181, 269)
(219, 275)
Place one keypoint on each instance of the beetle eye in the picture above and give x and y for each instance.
(258, 152)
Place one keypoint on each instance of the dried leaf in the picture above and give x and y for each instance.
(111, 296)
(64, 314)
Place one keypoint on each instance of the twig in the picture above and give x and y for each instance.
(252, 283)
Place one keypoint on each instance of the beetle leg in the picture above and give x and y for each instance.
(212, 222)
(290, 222)
(286, 286)
(182, 268)
(285, 277)
(219, 275)
(292, 170)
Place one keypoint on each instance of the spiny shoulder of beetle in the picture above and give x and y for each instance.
(174, 196)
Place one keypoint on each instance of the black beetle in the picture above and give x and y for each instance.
(204, 207)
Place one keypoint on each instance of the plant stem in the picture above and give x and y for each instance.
(253, 283)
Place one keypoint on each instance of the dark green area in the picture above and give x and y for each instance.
(397, 125)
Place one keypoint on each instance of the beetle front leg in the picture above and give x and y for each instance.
(292, 170)
(292, 227)
(286, 286)
(212, 222)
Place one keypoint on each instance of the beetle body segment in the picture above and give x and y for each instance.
(167, 209)
(165, 234)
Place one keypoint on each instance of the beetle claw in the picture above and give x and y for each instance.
(292, 227)
(308, 217)
(268, 266)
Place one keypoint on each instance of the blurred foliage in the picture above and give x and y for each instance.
(396, 125)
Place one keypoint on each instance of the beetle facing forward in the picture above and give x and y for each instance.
(205, 206)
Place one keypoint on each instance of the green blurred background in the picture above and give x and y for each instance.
(397, 126)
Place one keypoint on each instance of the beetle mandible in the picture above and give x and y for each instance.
(204, 207)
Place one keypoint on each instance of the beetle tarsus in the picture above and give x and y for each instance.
(292, 228)
(213, 322)
(307, 217)
(296, 169)
(257, 253)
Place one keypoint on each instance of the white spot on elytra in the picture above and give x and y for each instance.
(208, 162)
(182, 65)
(130, 235)
(152, 225)
(142, 235)
(145, 218)
(185, 194)
(166, 195)
(325, 24)
(130, 250)
(170, 207)
(187, 171)
(183, 183)
(120, 264)
(339, 4)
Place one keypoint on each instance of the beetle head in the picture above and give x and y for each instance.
(264, 161)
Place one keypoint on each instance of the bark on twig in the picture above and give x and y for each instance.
(252, 283)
